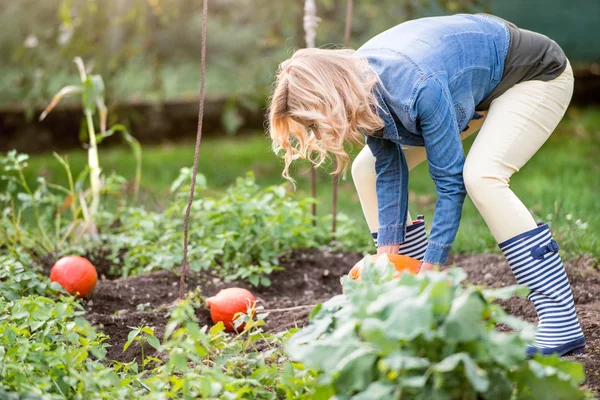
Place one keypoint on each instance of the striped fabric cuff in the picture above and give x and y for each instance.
(415, 244)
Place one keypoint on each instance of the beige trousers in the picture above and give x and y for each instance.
(516, 125)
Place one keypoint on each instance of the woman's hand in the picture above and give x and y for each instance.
(394, 248)
(391, 249)
(425, 267)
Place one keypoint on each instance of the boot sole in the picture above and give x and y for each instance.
(579, 350)
(577, 347)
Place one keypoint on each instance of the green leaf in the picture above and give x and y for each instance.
(539, 381)
(93, 90)
(405, 314)
(324, 354)
(476, 376)
(377, 390)
(465, 319)
(133, 333)
(60, 310)
(216, 329)
(264, 281)
(398, 361)
(565, 369)
(88, 98)
(355, 371)
(131, 337)
(507, 349)
(254, 280)
(58, 287)
(315, 311)
(500, 388)
(179, 361)
(148, 331)
(154, 342)
(505, 293)
(10, 334)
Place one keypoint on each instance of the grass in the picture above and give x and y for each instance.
(560, 184)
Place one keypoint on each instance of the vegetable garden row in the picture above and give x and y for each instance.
(414, 337)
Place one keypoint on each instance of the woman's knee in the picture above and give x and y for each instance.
(480, 182)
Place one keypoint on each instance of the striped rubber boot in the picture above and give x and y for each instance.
(416, 240)
(534, 260)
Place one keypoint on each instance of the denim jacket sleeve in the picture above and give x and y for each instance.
(392, 174)
(435, 115)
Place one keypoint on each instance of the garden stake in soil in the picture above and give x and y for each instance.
(196, 153)
(310, 26)
(336, 176)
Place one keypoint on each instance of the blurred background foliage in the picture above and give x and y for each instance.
(149, 49)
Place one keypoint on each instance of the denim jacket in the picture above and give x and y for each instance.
(434, 71)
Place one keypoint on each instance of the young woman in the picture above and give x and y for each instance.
(415, 91)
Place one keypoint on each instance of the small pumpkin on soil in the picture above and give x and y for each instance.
(227, 303)
(401, 263)
(75, 274)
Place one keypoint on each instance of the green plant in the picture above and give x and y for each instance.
(16, 280)
(423, 337)
(240, 235)
(208, 363)
(91, 90)
(569, 230)
(48, 351)
(59, 212)
(14, 165)
(142, 335)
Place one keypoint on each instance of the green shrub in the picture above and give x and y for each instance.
(209, 363)
(240, 235)
(426, 338)
(17, 280)
(49, 351)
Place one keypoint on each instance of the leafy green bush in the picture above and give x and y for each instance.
(240, 235)
(17, 280)
(208, 363)
(415, 337)
(49, 351)
(44, 218)
(426, 338)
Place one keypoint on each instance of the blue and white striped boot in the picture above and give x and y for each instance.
(534, 260)
(416, 240)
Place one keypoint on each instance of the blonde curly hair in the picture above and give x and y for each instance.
(323, 99)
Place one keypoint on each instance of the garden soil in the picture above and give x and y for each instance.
(308, 277)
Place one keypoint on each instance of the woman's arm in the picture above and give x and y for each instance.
(445, 155)
(392, 191)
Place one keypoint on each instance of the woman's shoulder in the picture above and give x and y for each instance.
(412, 36)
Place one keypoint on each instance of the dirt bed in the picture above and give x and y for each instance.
(312, 276)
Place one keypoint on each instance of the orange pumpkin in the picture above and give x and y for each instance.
(229, 302)
(402, 263)
(75, 274)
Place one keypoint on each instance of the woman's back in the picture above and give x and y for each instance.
(466, 52)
